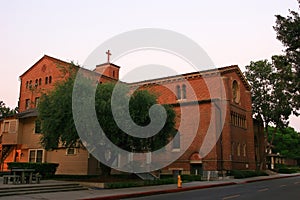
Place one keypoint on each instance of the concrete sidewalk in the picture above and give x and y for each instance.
(137, 191)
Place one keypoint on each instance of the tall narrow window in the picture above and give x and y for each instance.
(178, 92)
(36, 103)
(6, 127)
(238, 149)
(37, 128)
(40, 81)
(46, 80)
(27, 83)
(176, 141)
(50, 79)
(27, 103)
(244, 150)
(184, 91)
(232, 148)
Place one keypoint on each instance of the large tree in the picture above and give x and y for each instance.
(58, 128)
(271, 98)
(288, 32)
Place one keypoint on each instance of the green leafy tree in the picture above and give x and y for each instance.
(6, 111)
(58, 128)
(287, 142)
(288, 32)
(271, 98)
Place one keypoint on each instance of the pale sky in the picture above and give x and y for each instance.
(231, 32)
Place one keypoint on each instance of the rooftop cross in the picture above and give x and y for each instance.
(108, 55)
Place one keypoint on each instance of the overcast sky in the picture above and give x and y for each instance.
(231, 32)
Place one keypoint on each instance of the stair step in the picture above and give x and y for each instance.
(40, 189)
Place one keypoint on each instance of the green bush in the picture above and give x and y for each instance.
(45, 169)
(187, 178)
(287, 170)
(122, 185)
(238, 174)
(160, 181)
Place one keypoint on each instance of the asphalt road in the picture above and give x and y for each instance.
(286, 188)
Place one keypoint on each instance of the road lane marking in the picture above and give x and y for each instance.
(262, 190)
(232, 196)
(282, 186)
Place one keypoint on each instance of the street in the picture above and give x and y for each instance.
(286, 188)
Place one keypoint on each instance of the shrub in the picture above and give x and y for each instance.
(287, 170)
(246, 173)
(45, 169)
(187, 178)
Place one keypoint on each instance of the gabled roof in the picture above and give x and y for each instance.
(66, 63)
(45, 57)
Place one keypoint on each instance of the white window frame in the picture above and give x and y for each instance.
(36, 150)
(71, 154)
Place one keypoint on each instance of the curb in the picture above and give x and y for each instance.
(156, 192)
(271, 178)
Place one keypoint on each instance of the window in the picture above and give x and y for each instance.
(27, 103)
(6, 127)
(148, 157)
(238, 120)
(232, 148)
(117, 161)
(36, 155)
(113, 73)
(176, 142)
(235, 92)
(183, 91)
(27, 83)
(50, 79)
(46, 80)
(238, 149)
(37, 99)
(178, 92)
(244, 150)
(40, 81)
(10, 126)
(36, 83)
(37, 128)
(70, 151)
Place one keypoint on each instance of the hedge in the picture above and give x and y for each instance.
(238, 174)
(45, 169)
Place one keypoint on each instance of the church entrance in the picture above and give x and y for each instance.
(196, 168)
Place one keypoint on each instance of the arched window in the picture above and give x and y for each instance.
(40, 81)
(244, 150)
(238, 149)
(183, 91)
(46, 80)
(235, 92)
(50, 79)
(178, 92)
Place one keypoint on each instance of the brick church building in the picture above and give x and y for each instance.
(237, 148)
